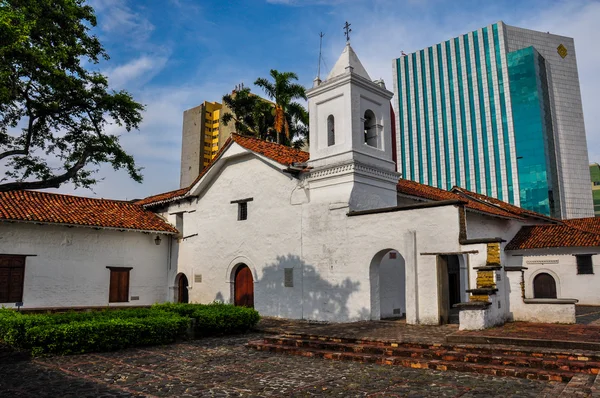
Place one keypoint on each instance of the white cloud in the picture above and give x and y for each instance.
(118, 19)
(136, 72)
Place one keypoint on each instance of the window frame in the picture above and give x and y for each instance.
(120, 296)
(580, 267)
(242, 209)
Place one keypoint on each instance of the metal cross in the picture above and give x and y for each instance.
(347, 30)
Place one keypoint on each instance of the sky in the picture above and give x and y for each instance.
(174, 54)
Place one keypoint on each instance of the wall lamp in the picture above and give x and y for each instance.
(157, 240)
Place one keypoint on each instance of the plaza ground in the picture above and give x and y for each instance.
(225, 367)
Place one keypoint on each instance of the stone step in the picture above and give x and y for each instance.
(536, 352)
(417, 363)
(580, 385)
(451, 354)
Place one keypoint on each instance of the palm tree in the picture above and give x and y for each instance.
(283, 92)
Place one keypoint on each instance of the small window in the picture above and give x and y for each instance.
(370, 127)
(12, 272)
(584, 264)
(242, 211)
(596, 183)
(330, 130)
(119, 284)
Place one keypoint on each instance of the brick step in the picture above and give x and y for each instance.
(416, 363)
(444, 354)
(542, 353)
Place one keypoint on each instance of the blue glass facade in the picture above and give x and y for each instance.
(462, 92)
(533, 129)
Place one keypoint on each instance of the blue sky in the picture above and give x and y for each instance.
(174, 54)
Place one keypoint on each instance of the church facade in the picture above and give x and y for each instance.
(337, 235)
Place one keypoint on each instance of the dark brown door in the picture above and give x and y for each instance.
(119, 285)
(453, 280)
(12, 273)
(182, 289)
(244, 287)
(544, 286)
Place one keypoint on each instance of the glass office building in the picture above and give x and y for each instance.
(496, 111)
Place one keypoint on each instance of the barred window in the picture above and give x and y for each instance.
(584, 264)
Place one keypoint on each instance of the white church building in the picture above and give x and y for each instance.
(330, 235)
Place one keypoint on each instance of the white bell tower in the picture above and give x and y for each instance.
(351, 138)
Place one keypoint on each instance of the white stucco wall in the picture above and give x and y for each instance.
(561, 263)
(66, 267)
(331, 253)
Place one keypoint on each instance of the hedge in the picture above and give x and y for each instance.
(108, 330)
(215, 318)
(79, 332)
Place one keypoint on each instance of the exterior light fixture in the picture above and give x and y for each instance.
(157, 240)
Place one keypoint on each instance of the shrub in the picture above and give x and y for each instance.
(79, 332)
(215, 318)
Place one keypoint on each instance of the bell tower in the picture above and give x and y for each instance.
(351, 138)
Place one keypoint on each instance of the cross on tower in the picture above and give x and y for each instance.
(347, 30)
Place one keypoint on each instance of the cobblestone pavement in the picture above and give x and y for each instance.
(588, 315)
(224, 367)
(372, 330)
(540, 331)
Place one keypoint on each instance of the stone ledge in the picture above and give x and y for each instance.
(473, 305)
(494, 267)
(481, 291)
(550, 301)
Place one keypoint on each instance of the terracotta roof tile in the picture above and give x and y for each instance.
(518, 211)
(162, 197)
(44, 207)
(277, 152)
(545, 236)
(413, 188)
(590, 224)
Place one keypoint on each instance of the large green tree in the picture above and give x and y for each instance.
(54, 110)
(283, 91)
(250, 114)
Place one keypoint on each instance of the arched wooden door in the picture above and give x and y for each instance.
(544, 286)
(182, 289)
(244, 287)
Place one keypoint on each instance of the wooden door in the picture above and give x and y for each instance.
(544, 286)
(119, 285)
(182, 289)
(244, 287)
(12, 273)
(443, 291)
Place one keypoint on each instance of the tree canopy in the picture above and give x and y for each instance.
(283, 119)
(54, 110)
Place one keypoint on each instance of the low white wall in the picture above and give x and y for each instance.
(547, 312)
(66, 267)
(537, 310)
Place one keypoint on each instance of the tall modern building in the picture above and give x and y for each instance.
(595, 177)
(200, 140)
(496, 111)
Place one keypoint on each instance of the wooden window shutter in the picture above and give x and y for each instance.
(12, 276)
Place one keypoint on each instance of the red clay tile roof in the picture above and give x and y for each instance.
(44, 207)
(162, 197)
(545, 236)
(518, 211)
(412, 188)
(277, 152)
(590, 224)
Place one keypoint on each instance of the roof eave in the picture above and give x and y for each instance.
(151, 231)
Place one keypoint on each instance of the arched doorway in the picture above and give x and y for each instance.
(388, 285)
(181, 281)
(243, 287)
(544, 286)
